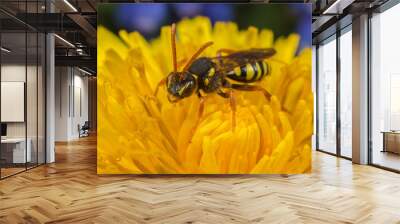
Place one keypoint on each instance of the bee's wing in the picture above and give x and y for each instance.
(229, 62)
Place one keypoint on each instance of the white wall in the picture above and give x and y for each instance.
(13, 72)
(62, 82)
(71, 102)
(81, 102)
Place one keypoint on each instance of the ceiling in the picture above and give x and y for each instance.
(75, 22)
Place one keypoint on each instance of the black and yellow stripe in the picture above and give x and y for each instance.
(250, 72)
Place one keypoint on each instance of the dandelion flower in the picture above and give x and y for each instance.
(138, 135)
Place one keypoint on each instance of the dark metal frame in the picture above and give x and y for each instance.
(338, 98)
(369, 78)
(316, 97)
(0, 89)
(44, 70)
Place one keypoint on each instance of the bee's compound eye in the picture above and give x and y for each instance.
(171, 78)
(181, 85)
(186, 88)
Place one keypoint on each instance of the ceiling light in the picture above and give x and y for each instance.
(84, 71)
(70, 5)
(5, 50)
(65, 41)
(80, 51)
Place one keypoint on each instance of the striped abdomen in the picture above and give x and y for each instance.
(250, 72)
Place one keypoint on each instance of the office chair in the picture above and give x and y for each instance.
(84, 130)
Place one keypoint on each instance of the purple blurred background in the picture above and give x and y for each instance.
(147, 18)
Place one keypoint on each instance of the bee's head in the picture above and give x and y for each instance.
(180, 85)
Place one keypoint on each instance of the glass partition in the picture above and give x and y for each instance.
(32, 83)
(327, 96)
(22, 67)
(41, 91)
(346, 93)
(32, 95)
(385, 89)
(14, 153)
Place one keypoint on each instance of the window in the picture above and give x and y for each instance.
(346, 93)
(314, 89)
(327, 96)
(385, 89)
(22, 77)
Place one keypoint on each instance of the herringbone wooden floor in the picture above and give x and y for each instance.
(70, 191)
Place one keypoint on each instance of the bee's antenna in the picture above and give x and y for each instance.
(173, 33)
(198, 52)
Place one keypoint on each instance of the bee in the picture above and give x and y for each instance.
(236, 70)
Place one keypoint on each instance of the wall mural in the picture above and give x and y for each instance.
(204, 89)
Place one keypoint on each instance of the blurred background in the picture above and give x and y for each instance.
(283, 19)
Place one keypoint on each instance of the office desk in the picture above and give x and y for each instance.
(391, 141)
(15, 148)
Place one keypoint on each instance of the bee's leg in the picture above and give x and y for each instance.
(223, 94)
(232, 102)
(172, 99)
(200, 113)
(201, 105)
(252, 88)
(162, 82)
